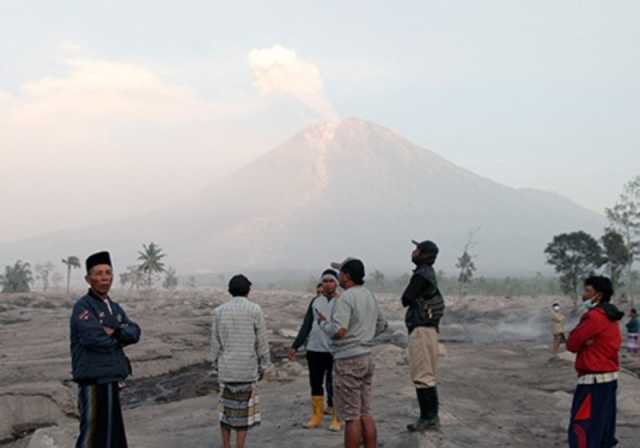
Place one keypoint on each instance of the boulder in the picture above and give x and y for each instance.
(25, 407)
(287, 333)
(53, 437)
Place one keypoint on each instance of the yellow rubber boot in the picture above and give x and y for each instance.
(318, 412)
(335, 425)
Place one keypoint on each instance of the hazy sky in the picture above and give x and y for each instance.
(112, 107)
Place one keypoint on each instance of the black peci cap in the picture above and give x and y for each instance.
(98, 258)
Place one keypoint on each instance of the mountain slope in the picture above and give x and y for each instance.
(342, 188)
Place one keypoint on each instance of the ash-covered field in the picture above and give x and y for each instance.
(499, 384)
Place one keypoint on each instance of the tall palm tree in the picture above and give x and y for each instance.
(150, 257)
(72, 262)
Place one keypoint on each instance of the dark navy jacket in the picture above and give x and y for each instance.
(423, 300)
(95, 356)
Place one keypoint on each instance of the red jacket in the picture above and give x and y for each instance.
(597, 340)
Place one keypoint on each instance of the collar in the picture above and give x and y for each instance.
(95, 296)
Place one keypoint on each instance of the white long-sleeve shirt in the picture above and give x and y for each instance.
(239, 349)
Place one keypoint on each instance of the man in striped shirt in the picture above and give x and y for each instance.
(240, 355)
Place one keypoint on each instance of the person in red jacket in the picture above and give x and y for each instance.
(596, 340)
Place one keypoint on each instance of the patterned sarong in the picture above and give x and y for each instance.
(101, 424)
(239, 406)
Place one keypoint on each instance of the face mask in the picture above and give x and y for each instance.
(588, 304)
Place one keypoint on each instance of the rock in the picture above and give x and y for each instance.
(24, 407)
(395, 325)
(287, 333)
(400, 338)
(567, 356)
(294, 369)
(390, 356)
(53, 437)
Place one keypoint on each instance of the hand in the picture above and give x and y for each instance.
(110, 331)
(342, 332)
(291, 354)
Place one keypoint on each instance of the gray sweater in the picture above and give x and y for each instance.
(357, 311)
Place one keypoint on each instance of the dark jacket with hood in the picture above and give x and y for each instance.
(422, 298)
(95, 356)
(597, 340)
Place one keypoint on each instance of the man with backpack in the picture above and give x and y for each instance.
(425, 307)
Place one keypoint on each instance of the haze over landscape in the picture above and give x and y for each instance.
(199, 139)
(340, 186)
(102, 127)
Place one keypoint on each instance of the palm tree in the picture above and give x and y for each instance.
(17, 278)
(151, 264)
(72, 263)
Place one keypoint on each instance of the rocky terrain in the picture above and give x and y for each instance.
(500, 386)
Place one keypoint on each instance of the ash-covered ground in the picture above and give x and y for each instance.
(500, 385)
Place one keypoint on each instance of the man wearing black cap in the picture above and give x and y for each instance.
(425, 308)
(355, 321)
(100, 329)
(240, 355)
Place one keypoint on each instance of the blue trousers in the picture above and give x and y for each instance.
(593, 416)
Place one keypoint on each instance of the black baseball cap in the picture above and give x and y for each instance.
(427, 246)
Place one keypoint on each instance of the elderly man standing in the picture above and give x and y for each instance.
(100, 329)
(240, 355)
(356, 320)
(425, 308)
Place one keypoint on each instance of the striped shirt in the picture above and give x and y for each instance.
(239, 349)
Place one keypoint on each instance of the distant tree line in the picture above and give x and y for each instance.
(576, 255)
(20, 277)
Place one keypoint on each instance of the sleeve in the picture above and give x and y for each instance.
(330, 326)
(305, 329)
(414, 290)
(341, 316)
(262, 344)
(90, 333)
(589, 326)
(214, 343)
(129, 332)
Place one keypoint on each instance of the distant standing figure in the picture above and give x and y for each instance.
(240, 355)
(596, 341)
(319, 357)
(356, 320)
(557, 327)
(100, 329)
(633, 331)
(425, 308)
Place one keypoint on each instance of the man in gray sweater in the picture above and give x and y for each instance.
(356, 320)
